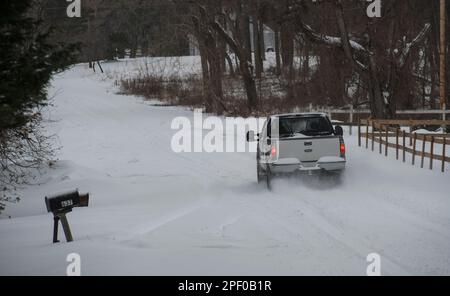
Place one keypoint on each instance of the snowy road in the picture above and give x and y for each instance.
(155, 212)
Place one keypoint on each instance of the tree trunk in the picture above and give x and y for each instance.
(277, 49)
(244, 65)
(305, 65)
(215, 68)
(250, 86)
(204, 61)
(257, 47)
(287, 49)
(262, 40)
(375, 92)
(222, 46)
(432, 62)
(205, 77)
(245, 32)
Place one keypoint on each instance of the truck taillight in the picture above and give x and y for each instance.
(342, 149)
(273, 151)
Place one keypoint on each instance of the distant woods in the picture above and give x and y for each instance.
(115, 29)
(324, 53)
(327, 52)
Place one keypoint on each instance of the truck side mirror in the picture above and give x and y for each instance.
(338, 131)
(251, 136)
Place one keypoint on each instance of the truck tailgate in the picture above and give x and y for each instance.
(309, 149)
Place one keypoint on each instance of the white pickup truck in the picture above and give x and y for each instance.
(298, 143)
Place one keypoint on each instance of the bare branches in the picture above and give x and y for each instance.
(234, 45)
(21, 150)
(331, 41)
(345, 42)
(419, 38)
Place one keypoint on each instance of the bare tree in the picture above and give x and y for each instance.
(379, 62)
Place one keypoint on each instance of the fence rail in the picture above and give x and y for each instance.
(354, 115)
(380, 131)
(367, 111)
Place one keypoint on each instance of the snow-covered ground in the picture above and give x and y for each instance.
(156, 212)
(174, 66)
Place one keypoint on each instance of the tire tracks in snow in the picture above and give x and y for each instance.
(324, 230)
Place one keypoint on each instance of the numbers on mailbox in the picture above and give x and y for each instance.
(66, 203)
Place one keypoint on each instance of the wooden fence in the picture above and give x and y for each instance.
(380, 131)
(351, 116)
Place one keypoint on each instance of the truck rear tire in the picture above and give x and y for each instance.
(268, 178)
(259, 173)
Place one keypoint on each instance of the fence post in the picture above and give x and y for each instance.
(397, 131)
(387, 141)
(432, 153)
(443, 155)
(367, 134)
(444, 126)
(424, 140)
(359, 131)
(414, 149)
(373, 135)
(404, 146)
(410, 135)
(380, 134)
(351, 120)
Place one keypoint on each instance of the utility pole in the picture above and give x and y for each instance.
(442, 59)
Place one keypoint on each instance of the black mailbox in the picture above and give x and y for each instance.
(66, 202)
(62, 204)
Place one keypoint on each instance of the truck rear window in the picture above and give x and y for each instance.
(307, 126)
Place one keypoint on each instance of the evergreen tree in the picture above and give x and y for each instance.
(27, 63)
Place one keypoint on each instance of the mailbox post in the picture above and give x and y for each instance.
(62, 204)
